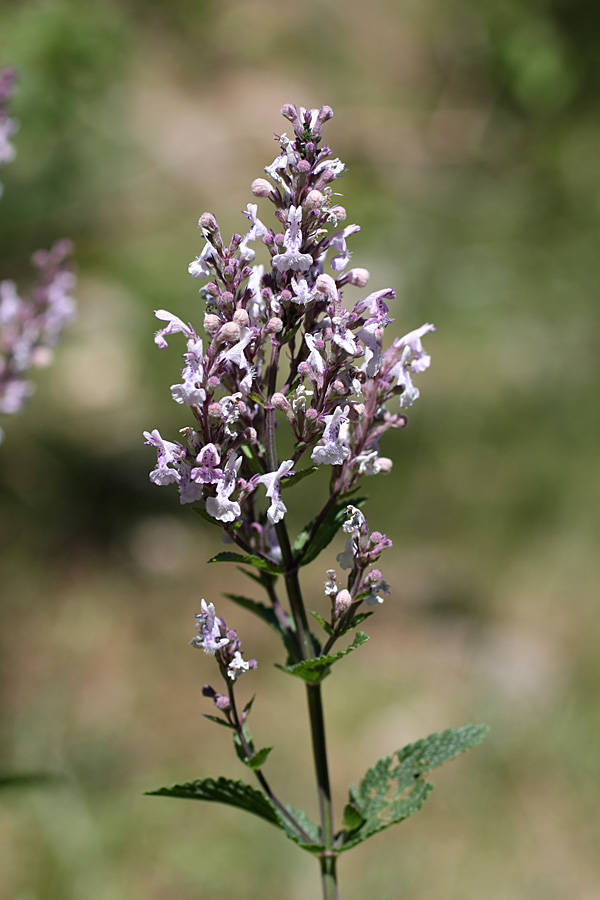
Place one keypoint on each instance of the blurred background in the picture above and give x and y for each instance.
(470, 130)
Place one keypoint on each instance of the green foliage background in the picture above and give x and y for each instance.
(470, 130)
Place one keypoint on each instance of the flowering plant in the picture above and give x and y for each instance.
(29, 327)
(283, 354)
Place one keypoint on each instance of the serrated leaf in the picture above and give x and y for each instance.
(311, 831)
(394, 788)
(303, 551)
(322, 621)
(296, 477)
(224, 790)
(249, 560)
(314, 670)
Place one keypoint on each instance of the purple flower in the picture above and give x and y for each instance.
(257, 230)
(236, 355)
(200, 267)
(209, 630)
(338, 242)
(334, 452)
(277, 509)
(191, 392)
(292, 241)
(221, 507)
(168, 454)
(173, 326)
(419, 360)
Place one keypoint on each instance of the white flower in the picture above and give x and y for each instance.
(237, 666)
(277, 509)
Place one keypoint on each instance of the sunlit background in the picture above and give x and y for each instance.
(471, 131)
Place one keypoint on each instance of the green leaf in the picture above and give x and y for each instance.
(28, 779)
(315, 670)
(322, 621)
(356, 621)
(327, 530)
(268, 615)
(258, 562)
(224, 790)
(218, 720)
(259, 609)
(352, 819)
(258, 759)
(394, 788)
(311, 830)
(204, 515)
(296, 477)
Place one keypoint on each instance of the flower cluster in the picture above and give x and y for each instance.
(8, 126)
(30, 328)
(217, 640)
(338, 389)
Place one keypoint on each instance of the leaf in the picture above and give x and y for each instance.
(259, 609)
(322, 621)
(224, 790)
(28, 779)
(258, 562)
(296, 477)
(303, 551)
(258, 759)
(352, 819)
(269, 616)
(311, 830)
(204, 515)
(218, 720)
(314, 670)
(393, 789)
(356, 621)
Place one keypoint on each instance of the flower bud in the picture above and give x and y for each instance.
(213, 382)
(326, 285)
(303, 166)
(314, 200)
(226, 297)
(208, 222)
(279, 239)
(241, 317)
(228, 273)
(357, 277)
(279, 401)
(338, 211)
(384, 464)
(274, 325)
(212, 323)
(285, 295)
(222, 702)
(343, 601)
(230, 331)
(325, 113)
(261, 188)
(215, 411)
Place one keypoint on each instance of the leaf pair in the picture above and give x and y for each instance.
(391, 791)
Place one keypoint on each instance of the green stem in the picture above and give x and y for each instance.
(317, 727)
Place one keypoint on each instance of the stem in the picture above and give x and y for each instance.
(317, 721)
(261, 778)
(317, 727)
